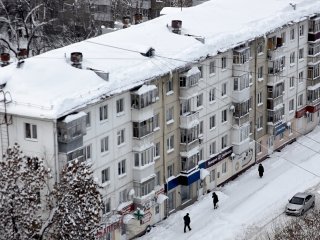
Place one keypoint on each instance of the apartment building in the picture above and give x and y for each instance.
(161, 130)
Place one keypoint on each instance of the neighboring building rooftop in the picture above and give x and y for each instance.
(47, 86)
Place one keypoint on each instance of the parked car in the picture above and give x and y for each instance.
(300, 203)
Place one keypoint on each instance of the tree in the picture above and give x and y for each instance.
(40, 25)
(77, 204)
(30, 209)
(21, 179)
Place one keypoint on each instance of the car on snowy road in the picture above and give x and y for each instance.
(300, 203)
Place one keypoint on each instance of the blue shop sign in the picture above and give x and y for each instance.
(280, 128)
(188, 179)
(219, 157)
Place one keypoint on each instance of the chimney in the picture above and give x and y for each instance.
(137, 18)
(5, 58)
(76, 59)
(126, 21)
(22, 54)
(176, 26)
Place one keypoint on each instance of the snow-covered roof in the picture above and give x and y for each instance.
(47, 86)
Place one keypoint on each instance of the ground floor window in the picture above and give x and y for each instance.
(171, 200)
(185, 193)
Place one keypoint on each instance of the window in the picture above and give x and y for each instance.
(224, 140)
(309, 117)
(212, 67)
(301, 55)
(251, 128)
(283, 37)
(291, 83)
(156, 123)
(105, 144)
(171, 201)
(300, 100)
(170, 143)
(260, 48)
(223, 89)
(212, 122)
(142, 129)
(104, 112)
(88, 119)
(158, 181)
(120, 105)
(223, 63)
(259, 98)
(201, 128)
(291, 105)
(224, 167)
(224, 116)
(31, 131)
(260, 72)
(292, 34)
(292, 57)
(120, 136)
(201, 71)
(144, 157)
(170, 170)
(212, 94)
(169, 114)
(201, 156)
(301, 30)
(87, 152)
(258, 146)
(212, 148)
(260, 123)
(105, 175)
(106, 207)
(122, 167)
(200, 100)
(169, 85)
(147, 187)
(212, 175)
(157, 150)
(123, 196)
(300, 77)
(244, 132)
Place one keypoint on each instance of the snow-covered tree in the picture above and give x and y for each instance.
(21, 179)
(77, 208)
(30, 209)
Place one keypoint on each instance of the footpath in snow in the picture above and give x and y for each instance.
(249, 202)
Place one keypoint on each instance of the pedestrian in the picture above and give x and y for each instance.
(187, 221)
(260, 170)
(215, 200)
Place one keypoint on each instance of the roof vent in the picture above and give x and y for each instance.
(5, 58)
(22, 53)
(176, 26)
(149, 53)
(76, 59)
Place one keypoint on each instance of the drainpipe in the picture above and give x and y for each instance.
(56, 155)
(255, 100)
(163, 85)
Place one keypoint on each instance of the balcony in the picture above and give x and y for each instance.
(312, 37)
(239, 69)
(187, 148)
(241, 120)
(190, 120)
(275, 103)
(141, 174)
(275, 53)
(240, 96)
(275, 116)
(241, 147)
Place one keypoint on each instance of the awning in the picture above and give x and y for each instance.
(204, 173)
(161, 198)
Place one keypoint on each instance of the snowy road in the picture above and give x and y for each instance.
(249, 203)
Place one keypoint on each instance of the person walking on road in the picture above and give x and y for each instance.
(215, 200)
(260, 170)
(187, 221)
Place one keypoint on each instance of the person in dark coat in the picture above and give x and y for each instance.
(187, 221)
(215, 200)
(260, 170)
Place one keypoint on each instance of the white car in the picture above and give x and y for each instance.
(300, 203)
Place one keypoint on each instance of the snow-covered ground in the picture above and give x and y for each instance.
(248, 203)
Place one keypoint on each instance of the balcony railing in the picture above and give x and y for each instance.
(184, 147)
(189, 120)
